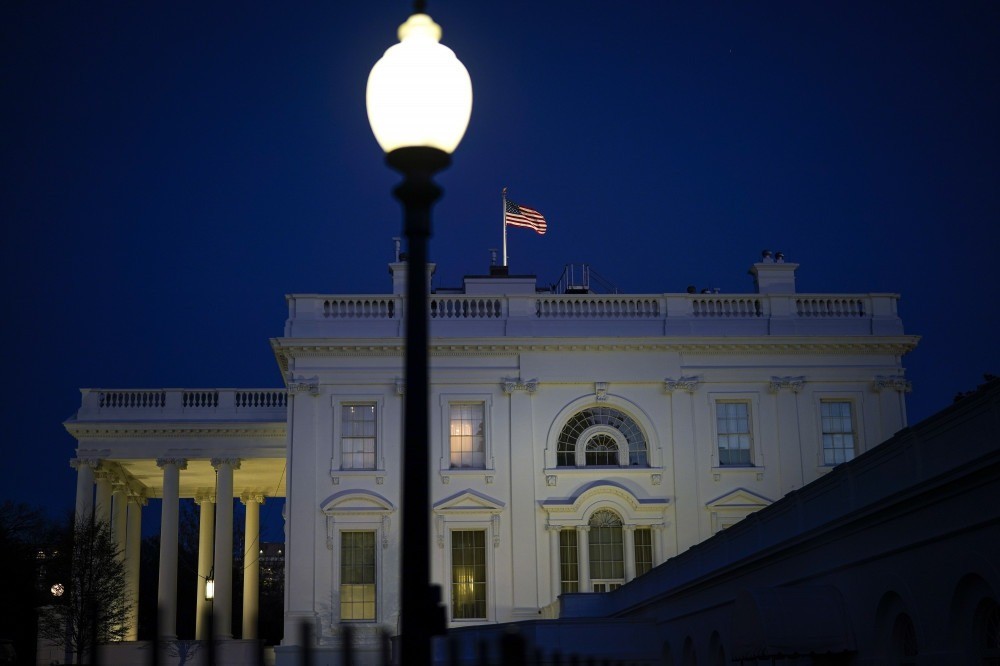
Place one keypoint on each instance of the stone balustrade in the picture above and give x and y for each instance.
(187, 404)
(584, 315)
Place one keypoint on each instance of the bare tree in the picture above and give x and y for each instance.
(95, 607)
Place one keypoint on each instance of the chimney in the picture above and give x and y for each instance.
(771, 275)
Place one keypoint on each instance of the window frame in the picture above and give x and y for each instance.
(446, 402)
(376, 575)
(853, 399)
(485, 532)
(338, 404)
(751, 400)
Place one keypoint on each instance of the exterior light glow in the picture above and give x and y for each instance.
(210, 589)
(57, 590)
(419, 94)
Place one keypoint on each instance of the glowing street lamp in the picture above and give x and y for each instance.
(419, 101)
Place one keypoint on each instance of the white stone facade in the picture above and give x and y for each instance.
(671, 415)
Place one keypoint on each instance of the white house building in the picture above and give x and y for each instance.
(578, 439)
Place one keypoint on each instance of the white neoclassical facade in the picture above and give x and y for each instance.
(578, 439)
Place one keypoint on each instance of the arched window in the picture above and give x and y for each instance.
(904, 640)
(601, 436)
(607, 551)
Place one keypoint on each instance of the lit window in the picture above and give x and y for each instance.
(468, 575)
(643, 550)
(357, 576)
(607, 551)
(569, 561)
(733, 428)
(600, 448)
(838, 432)
(468, 436)
(357, 440)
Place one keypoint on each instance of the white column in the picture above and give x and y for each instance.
(119, 516)
(251, 564)
(583, 554)
(555, 567)
(206, 533)
(102, 504)
(223, 604)
(628, 538)
(133, 539)
(167, 590)
(84, 487)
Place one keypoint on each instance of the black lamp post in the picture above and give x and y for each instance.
(419, 100)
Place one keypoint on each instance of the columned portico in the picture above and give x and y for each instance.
(84, 487)
(102, 503)
(555, 568)
(583, 539)
(119, 515)
(628, 538)
(251, 564)
(133, 538)
(223, 604)
(206, 535)
(167, 590)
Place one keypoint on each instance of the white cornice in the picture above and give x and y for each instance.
(87, 430)
(286, 348)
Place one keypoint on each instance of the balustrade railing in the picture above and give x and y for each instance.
(360, 308)
(599, 307)
(830, 306)
(727, 306)
(196, 403)
(466, 307)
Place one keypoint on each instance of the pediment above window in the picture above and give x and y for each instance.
(577, 508)
(356, 502)
(741, 498)
(469, 501)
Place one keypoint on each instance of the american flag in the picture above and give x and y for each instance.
(522, 216)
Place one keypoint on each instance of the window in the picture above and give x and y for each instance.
(357, 436)
(591, 437)
(357, 576)
(607, 551)
(468, 574)
(468, 436)
(643, 550)
(569, 560)
(733, 429)
(838, 431)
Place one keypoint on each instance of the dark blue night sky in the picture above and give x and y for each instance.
(172, 170)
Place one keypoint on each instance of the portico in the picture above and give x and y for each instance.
(212, 446)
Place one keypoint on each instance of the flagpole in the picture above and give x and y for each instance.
(503, 219)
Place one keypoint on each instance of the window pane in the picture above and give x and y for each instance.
(838, 432)
(569, 560)
(468, 574)
(734, 438)
(468, 436)
(643, 550)
(607, 553)
(570, 434)
(357, 441)
(357, 576)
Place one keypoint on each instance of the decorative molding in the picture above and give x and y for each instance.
(181, 463)
(793, 384)
(379, 480)
(385, 531)
(303, 385)
(439, 528)
(495, 520)
(204, 496)
(689, 384)
(330, 533)
(657, 479)
(159, 430)
(248, 497)
(445, 479)
(93, 463)
(232, 462)
(336, 480)
(511, 384)
(400, 386)
(893, 383)
(551, 479)
(601, 391)
(489, 479)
